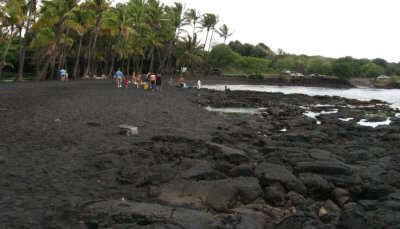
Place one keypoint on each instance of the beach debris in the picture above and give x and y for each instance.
(128, 130)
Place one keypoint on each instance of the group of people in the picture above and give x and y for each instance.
(150, 81)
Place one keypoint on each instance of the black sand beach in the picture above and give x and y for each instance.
(64, 163)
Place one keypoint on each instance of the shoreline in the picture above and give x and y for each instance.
(66, 163)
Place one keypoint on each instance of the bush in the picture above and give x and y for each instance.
(222, 56)
(372, 70)
(253, 65)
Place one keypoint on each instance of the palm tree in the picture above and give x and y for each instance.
(54, 17)
(176, 18)
(78, 22)
(98, 7)
(212, 33)
(192, 17)
(12, 18)
(30, 12)
(224, 32)
(189, 52)
(209, 21)
(137, 11)
(154, 37)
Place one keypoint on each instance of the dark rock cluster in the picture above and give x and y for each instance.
(251, 174)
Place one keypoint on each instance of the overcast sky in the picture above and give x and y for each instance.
(332, 28)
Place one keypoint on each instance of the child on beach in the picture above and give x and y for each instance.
(138, 80)
(118, 77)
(181, 81)
(126, 82)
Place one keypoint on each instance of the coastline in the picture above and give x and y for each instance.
(67, 165)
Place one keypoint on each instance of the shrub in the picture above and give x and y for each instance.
(222, 56)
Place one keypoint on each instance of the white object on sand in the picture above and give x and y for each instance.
(129, 130)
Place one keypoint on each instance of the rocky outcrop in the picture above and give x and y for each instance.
(252, 174)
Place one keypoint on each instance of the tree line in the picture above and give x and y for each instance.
(252, 59)
(93, 37)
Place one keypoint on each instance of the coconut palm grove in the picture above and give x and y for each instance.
(93, 37)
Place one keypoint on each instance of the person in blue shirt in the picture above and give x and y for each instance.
(63, 74)
(118, 77)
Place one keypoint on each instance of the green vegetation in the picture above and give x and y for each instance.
(93, 37)
(249, 59)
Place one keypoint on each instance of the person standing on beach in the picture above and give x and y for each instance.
(63, 74)
(118, 77)
(153, 79)
(158, 82)
(138, 80)
(181, 81)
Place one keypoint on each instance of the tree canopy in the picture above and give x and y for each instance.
(91, 37)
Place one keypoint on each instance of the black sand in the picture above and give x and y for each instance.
(64, 164)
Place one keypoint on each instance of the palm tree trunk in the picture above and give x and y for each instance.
(141, 64)
(3, 58)
(89, 56)
(152, 60)
(43, 71)
(52, 68)
(22, 52)
(128, 65)
(205, 43)
(77, 58)
(24, 43)
(53, 56)
(194, 29)
(212, 36)
(91, 63)
(112, 66)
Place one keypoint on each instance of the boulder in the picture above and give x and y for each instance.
(244, 170)
(341, 196)
(324, 167)
(232, 155)
(109, 214)
(331, 214)
(275, 194)
(219, 195)
(295, 199)
(198, 169)
(270, 173)
(148, 175)
(353, 216)
(316, 185)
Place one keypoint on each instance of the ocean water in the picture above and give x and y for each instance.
(391, 96)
